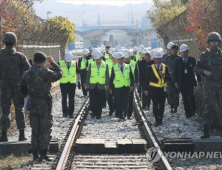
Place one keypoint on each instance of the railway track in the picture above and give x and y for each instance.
(111, 158)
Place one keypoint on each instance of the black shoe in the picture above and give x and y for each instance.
(110, 112)
(120, 120)
(22, 135)
(157, 124)
(70, 116)
(129, 118)
(98, 117)
(206, 132)
(93, 115)
(22, 138)
(35, 155)
(43, 156)
(64, 115)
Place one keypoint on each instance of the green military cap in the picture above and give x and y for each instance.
(39, 57)
(10, 37)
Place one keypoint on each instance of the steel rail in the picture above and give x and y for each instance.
(164, 164)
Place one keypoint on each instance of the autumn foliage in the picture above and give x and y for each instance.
(19, 16)
(202, 17)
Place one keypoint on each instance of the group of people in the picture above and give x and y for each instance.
(107, 74)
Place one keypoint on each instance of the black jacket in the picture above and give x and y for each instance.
(150, 77)
(178, 70)
(142, 67)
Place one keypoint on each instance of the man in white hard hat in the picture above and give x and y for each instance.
(134, 68)
(142, 66)
(155, 81)
(185, 80)
(107, 52)
(97, 81)
(122, 82)
(82, 63)
(169, 45)
(172, 91)
(136, 55)
(68, 83)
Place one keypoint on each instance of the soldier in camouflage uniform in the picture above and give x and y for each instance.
(12, 66)
(172, 91)
(36, 83)
(209, 65)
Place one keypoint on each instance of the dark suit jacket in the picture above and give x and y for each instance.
(150, 77)
(142, 65)
(178, 70)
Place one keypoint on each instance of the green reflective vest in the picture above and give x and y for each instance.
(132, 64)
(121, 79)
(90, 61)
(98, 75)
(110, 65)
(83, 63)
(106, 56)
(68, 75)
(137, 57)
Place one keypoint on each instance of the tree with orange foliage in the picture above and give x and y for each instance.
(203, 18)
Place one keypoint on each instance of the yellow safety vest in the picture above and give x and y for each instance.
(160, 82)
(68, 75)
(137, 57)
(83, 64)
(90, 61)
(121, 79)
(132, 64)
(106, 56)
(98, 75)
(110, 65)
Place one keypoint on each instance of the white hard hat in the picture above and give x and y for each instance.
(119, 55)
(145, 50)
(126, 53)
(118, 48)
(102, 49)
(111, 51)
(131, 51)
(140, 48)
(85, 51)
(135, 48)
(157, 54)
(68, 56)
(97, 54)
(102, 46)
(169, 45)
(183, 48)
(114, 54)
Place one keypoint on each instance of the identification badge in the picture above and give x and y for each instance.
(123, 75)
(98, 73)
(68, 73)
(185, 71)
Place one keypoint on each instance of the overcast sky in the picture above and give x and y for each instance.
(105, 2)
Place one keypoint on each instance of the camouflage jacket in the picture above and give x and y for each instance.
(36, 82)
(12, 64)
(170, 61)
(210, 60)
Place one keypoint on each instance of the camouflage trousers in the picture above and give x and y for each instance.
(41, 123)
(9, 93)
(172, 94)
(211, 95)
